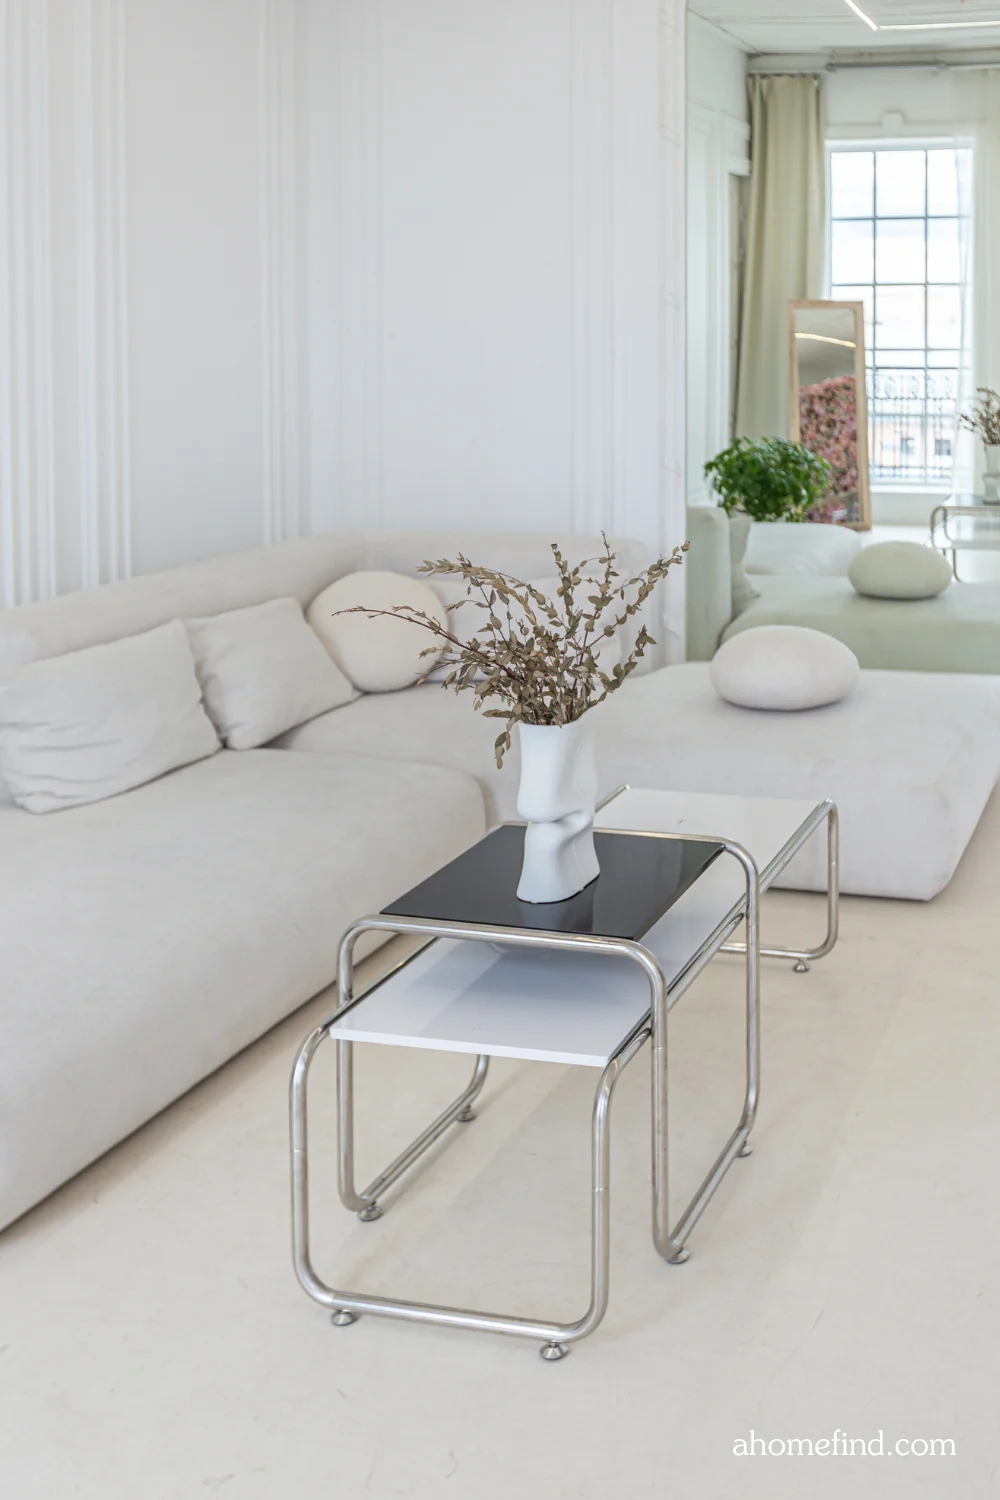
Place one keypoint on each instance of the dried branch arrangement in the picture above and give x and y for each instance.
(984, 417)
(536, 656)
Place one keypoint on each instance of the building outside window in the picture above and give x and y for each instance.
(899, 236)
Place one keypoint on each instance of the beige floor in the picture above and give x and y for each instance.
(153, 1345)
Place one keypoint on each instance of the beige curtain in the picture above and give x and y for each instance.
(786, 241)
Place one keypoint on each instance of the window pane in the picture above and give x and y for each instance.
(853, 251)
(900, 182)
(944, 251)
(899, 317)
(900, 358)
(942, 183)
(852, 184)
(944, 317)
(900, 250)
(863, 294)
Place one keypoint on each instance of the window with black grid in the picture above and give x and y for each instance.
(899, 237)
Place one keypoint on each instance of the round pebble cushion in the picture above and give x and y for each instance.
(377, 653)
(784, 667)
(899, 570)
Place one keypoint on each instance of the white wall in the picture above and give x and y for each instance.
(717, 149)
(501, 340)
(269, 266)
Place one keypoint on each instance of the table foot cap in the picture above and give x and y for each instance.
(745, 1150)
(370, 1214)
(342, 1318)
(801, 967)
(553, 1351)
(683, 1255)
(465, 1117)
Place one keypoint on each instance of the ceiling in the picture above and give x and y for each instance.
(805, 26)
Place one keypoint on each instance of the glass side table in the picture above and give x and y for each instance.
(965, 523)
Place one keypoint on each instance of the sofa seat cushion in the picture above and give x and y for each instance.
(145, 940)
(959, 631)
(910, 759)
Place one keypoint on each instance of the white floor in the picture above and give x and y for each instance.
(154, 1346)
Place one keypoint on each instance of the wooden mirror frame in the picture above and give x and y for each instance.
(864, 521)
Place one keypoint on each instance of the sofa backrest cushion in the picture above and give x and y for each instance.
(297, 569)
(263, 671)
(90, 724)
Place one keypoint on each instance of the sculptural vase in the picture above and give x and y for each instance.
(556, 797)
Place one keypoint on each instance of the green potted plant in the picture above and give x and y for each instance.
(768, 479)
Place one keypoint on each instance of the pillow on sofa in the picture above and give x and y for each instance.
(783, 667)
(263, 671)
(88, 725)
(787, 547)
(899, 570)
(379, 654)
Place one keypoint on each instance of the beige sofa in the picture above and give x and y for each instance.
(146, 939)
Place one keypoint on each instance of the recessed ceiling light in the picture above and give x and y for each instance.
(920, 25)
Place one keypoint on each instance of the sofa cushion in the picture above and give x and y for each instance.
(192, 914)
(801, 547)
(263, 671)
(783, 667)
(297, 569)
(379, 653)
(959, 631)
(899, 570)
(909, 757)
(97, 722)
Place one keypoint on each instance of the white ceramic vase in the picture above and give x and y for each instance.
(556, 798)
(991, 476)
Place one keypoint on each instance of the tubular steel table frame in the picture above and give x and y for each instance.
(670, 1242)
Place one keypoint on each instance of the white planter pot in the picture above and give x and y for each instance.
(991, 475)
(556, 798)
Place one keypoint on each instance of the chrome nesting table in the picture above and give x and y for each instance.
(586, 987)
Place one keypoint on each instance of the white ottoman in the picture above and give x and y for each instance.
(910, 758)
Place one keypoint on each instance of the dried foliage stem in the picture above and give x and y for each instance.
(538, 657)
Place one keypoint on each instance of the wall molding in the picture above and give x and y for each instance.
(102, 340)
(359, 319)
(673, 272)
(278, 51)
(593, 420)
(27, 499)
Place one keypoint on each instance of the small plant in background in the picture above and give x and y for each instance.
(536, 656)
(770, 479)
(984, 417)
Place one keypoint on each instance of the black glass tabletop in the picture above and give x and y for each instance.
(641, 877)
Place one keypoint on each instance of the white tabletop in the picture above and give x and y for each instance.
(461, 996)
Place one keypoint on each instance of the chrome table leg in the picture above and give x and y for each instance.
(805, 956)
(345, 1306)
(671, 1242)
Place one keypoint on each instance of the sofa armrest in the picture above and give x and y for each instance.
(709, 580)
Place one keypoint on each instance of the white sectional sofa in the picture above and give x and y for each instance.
(147, 938)
(957, 631)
